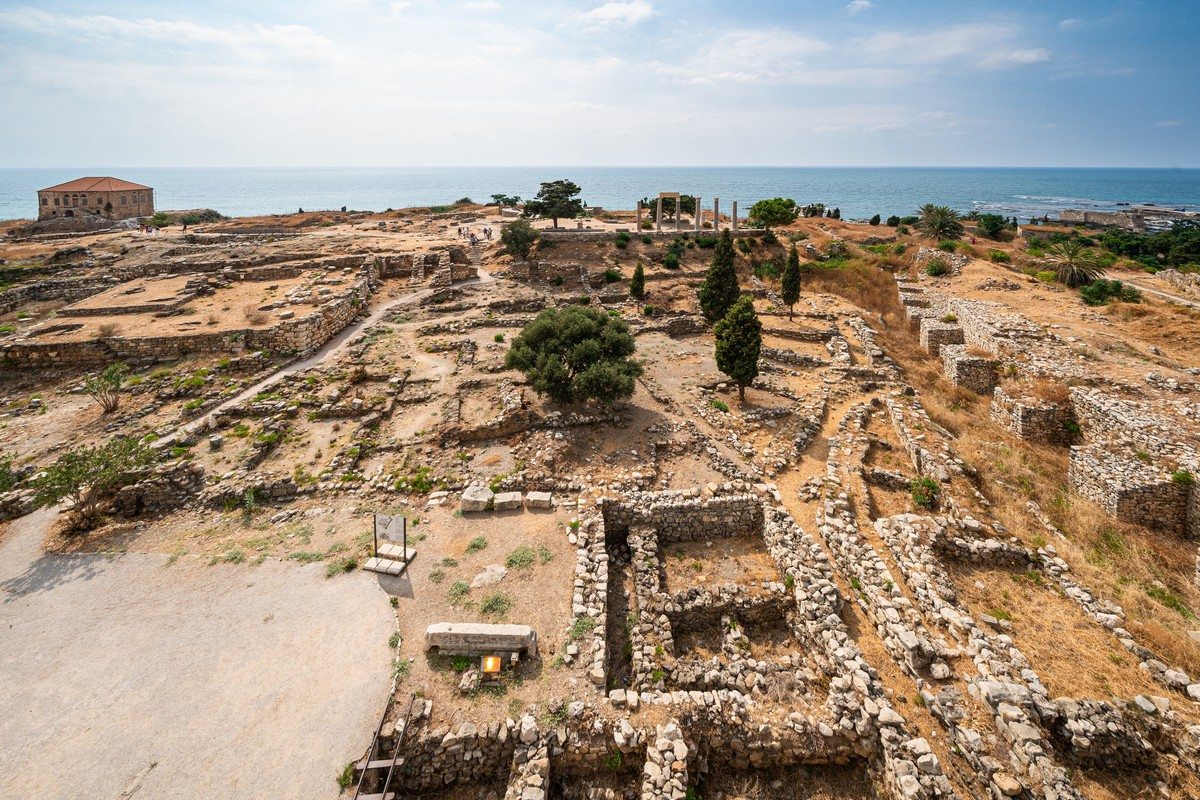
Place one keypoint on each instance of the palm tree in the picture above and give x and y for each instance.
(939, 222)
(1074, 264)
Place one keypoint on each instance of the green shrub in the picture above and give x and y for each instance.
(611, 276)
(477, 544)
(950, 318)
(648, 311)
(1183, 477)
(1046, 276)
(720, 406)
(671, 261)
(947, 246)
(898, 248)
(707, 242)
(936, 266)
(520, 558)
(767, 269)
(499, 337)
(1102, 292)
(496, 604)
(924, 492)
(581, 627)
(623, 237)
(647, 239)
(999, 256)
(458, 592)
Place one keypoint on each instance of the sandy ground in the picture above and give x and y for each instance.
(139, 678)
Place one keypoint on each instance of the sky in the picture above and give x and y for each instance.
(584, 82)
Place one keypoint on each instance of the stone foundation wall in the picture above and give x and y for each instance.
(67, 289)
(935, 333)
(1031, 419)
(967, 370)
(677, 518)
(298, 334)
(1129, 489)
(468, 754)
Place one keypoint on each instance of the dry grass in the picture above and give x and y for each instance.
(1050, 391)
(1148, 574)
(253, 315)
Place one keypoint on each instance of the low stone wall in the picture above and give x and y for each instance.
(467, 754)
(1186, 281)
(677, 518)
(165, 489)
(1129, 489)
(935, 333)
(67, 289)
(969, 371)
(1033, 420)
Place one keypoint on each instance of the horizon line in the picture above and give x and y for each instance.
(601, 166)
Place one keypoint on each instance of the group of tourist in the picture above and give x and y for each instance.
(148, 229)
(469, 235)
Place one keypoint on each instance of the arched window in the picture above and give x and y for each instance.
(74, 200)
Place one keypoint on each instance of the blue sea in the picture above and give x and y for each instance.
(858, 191)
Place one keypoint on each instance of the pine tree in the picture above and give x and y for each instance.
(720, 290)
(637, 285)
(791, 280)
(739, 340)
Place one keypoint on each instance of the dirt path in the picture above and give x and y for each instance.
(1174, 298)
(141, 678)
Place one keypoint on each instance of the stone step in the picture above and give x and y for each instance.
(395, 552)
(385, 566)
(388, 796)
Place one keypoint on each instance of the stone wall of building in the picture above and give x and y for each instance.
(1130, 489)
(968, 370)
(1129, 220)
(1032, 419)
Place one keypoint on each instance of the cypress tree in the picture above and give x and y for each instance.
(791, 280)
(739, 340)
(720, 290)
(637, 285)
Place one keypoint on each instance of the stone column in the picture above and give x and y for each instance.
(638, 224)
(658, 218)
(678, 212)
(698, 214)
(716, 214)
(735, 216)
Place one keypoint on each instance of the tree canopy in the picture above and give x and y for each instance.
(739, 340)
(686, 202)
(518, 237)
(939, 222)
(576, 354)
(720, 289)
(790, 285)
(554, 200)
(991, 225)
(637, 284)
(776, 211)
(89, 476)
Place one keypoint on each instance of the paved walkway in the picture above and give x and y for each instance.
(129, 679)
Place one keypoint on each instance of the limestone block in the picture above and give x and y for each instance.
(476, 497)
(507, 501)
(539, 500)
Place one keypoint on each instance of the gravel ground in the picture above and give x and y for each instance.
(129, 677)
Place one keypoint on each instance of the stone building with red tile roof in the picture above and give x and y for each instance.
(105, 197)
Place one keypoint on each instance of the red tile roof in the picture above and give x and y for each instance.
(96, 185)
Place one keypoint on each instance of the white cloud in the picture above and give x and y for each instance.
(1015, 58)
(985, 46)
(1168, 123)
(1070, 24)
(399, 8)
(855, 6)
(617, 14)
(253, 42)
(484, 5)
(760, 57)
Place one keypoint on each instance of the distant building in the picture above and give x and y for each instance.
(105, 197)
